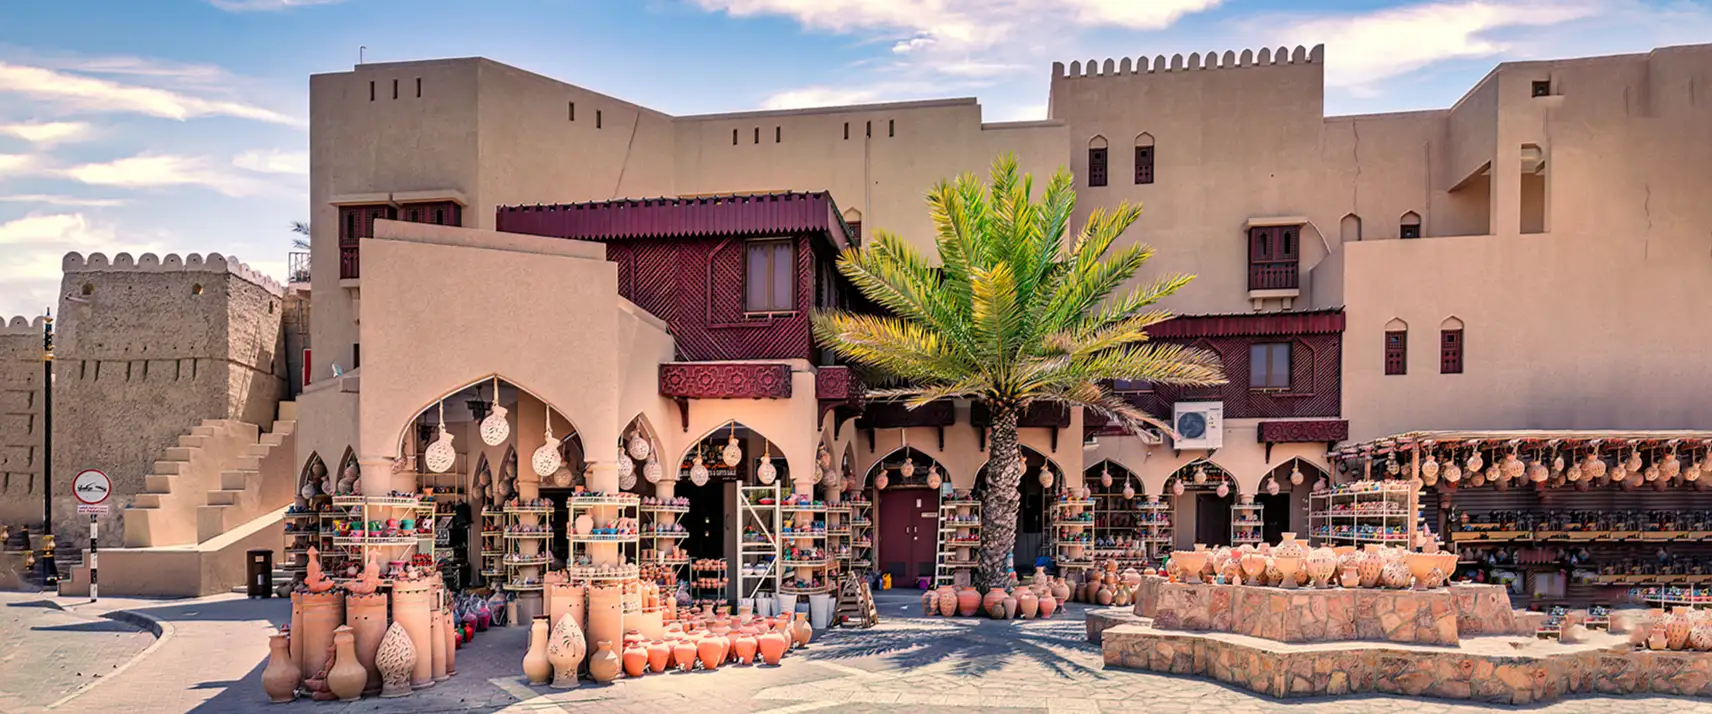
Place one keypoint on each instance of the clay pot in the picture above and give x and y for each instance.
(347, 677)
(1370, 567)
(583, 525)
(684, 654)
(536, 667)
(803, 631)
(1061, 590)
(659, 656)
(366, 615)
(1253, 566)
(297, 630)
(603, 665)
(711, 652)
(745, 648)
(968, 601)
(1103, 596)
(947, 598)
(437, 645)
(1047, 605)
(1122, 597)
(322, 613)
(1131, 577)
(1010, 603)
(565, 651)
(1700, 637)
(411, 605)
(929, 603)
(772, 646)
(281, 677)
(1395, 576)
(451, 629)
(1322, 566)
(1657, 640)
(395, 659)
(1351, 577)
(1676, 629)
(635, 659)
(1028, 604)
(994, 597)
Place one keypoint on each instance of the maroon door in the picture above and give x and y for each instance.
(909, 534)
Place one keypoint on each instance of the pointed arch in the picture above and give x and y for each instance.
(1409, 225)
(1450, 345)
(712, 442)
(1396, 346)
(894, 460)
(1093, 477)
(347, 467)
(1349, 229)
(429, 410)
(1451, 323)
(1145, 156)
(1098, 156)
(1098, 142)
(314, 471)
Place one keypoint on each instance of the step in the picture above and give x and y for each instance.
(159, 483)
(248, 463)
(147, 500)
(288, 411)
(193, 441)
(168, 468)
(238, 480)
(273, 439)
(205, 430)
(224, 497)
(258, 451)
(284, 426)
(177, 453)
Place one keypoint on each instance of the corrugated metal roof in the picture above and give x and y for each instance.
(682, 217)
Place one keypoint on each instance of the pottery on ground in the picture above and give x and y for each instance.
(1048, 605)
(772, 646)
(603, 665)
(536, 667)
(659, 656)
(684, 654)
(947, 599)
(1028, 604)
(565, 651)
(395, 659)
(347, 677)
(635, 659)
(281, 677)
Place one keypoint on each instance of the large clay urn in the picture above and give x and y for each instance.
(659, 656)
(1061, 590)
(396, 660)
(930, 603)
(322, 613)
(1420, 568)
(437, 644)
(605, 614)
(1047, 605)
(450, 626)
(684, 654)
(296, 647)
(1131, 577)
(947, 598)
(803, 632)
(1395, 576)
(1028, 604)
(281, 677)
(1371, 567)
(565, 651)
(411, 607)
(1103, 596)
(710, 651)
(366, 616)
(1253, 566)
(1010, 603)
(772, 646)
(968, 601)
(635, 659)
(745, 648)
(536, 667)
(347, 677)
(603, 665)
(1677, 627)
(1189, 563)
(994, 596)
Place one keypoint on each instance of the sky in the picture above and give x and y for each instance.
(182, 125)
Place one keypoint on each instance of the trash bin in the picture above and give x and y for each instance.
(258, 572)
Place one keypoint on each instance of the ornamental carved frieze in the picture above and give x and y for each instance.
(1305, 431)
(835, 383)
(725, 380)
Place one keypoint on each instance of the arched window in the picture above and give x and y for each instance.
(1143, 158)
(1097, 161)
(1409, 226)
(1349, 229)
(1450, 346)
(1396, 347)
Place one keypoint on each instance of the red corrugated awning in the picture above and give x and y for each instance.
(702, 216)
(1311, 322)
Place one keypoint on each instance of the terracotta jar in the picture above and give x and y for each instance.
(1700, 637)
(322, 613)
(1010, 603)
(411, 605)
(772, 646)
(347, 677)
(711, 651)
(1371, 567)
(1123, 595)
(744, 646)
(1103, 596)
(804, 632)
(1028, 604)
(565, 651)
(1350, 577)
(297, 629)
(396, 660)
(1657, 640)
(947, 597)
(1395, 575)
(536, 667)
(604, 665)
(281, 677)
(366, 615)
(1047, 605)
(994, 596)
(450, 626)
(929, 603)
(583, 524)
(684, 654)
(659, 656)
(1061, 590)
(1677, 626)
(635, 659)
(437, 645)
(605, 615)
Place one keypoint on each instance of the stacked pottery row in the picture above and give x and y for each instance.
(1683, 628)
(1041, 598)
(1293, 564)
(558, 656)
(1105, 585)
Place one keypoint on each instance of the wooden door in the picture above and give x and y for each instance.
(909, 534)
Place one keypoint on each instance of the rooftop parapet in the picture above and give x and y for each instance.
(1266, 57)
(191, 262)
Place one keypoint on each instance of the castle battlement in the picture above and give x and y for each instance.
(21, 326)
(1266, 57)
(191, 262)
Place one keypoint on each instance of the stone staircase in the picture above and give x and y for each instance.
(211, 481)
(244, 494)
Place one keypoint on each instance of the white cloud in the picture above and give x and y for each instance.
(1363, 49)
(266, 5)
(60, 200)
(273, 161)
(79, 92)
(807, 97)
(34, 246)
(166, 170)
(17, 164)
(47, 132)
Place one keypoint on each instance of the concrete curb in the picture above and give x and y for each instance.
(163, 632)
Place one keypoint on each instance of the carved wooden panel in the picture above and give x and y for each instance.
(1285, 432)
(719, 380)
(836, 383)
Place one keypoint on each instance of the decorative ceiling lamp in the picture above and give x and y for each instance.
(546, 460)
(1430, 469)
(1557, 464)
(1296, 476)
(1200, 475)
(733, 454)
(1634, 463)
(1538, 473)
(1573, 473)
(1046, 475)
(440, 455)
(1671, 466)
(627, 477)
(1391, 465)
(829, 476)
(1593, 467)
(880, 481)
(640, 448)
(1475, 463)
(698, 470)
(1106, 476)
(1513, 468)
(626, 467)
(652, 470)
(1271, 486)
(766, 472)
(1177, 487)
(1451, 473)
(1129, 488)
(933, 479)
(1650, 473)
(495, 428)
(823, 457)
(1224, 489)
(908, 468)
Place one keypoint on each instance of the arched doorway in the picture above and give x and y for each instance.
(1284, 494)
(1204, 493)
(1031, 517)
(908, 514)
(303, 520)
(712, 475)
(1124, 528)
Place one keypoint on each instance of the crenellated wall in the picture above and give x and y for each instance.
(147, 348)
(21, 428)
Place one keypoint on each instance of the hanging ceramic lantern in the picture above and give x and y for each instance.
(652, 470)
(1634, 462)
(1475, 463)
(1538, 473)
(1391, 466)
(933, 479)
(1513, 467)
(627, 479)
(1476, 478)
(1430, 468)
(766, 472)
(1671, 466)
(829, 476)
(1129, 490)
(823, 457)
(1176, 488)
(440, 455)
(908, 468)
(1594, 467)
(1650, 473)
(495, 428)
(1573, 473)
(1452, 472)
(1272, 487)
(1046, 476)
(698, 471)
(626, 467)
(1200, 475)
(881, 480)
(1106, 476)
(639, 446)
(546, 460)
(1296, 477)
(733, 454)
(1557, 463)
(1223, 489)
(1692, 473)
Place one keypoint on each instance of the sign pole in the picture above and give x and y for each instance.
(94, 526)
(91, 487)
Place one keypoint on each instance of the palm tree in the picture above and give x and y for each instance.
(1012, 316)
(301, 240)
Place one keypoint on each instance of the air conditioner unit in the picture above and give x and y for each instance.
(1200, 425)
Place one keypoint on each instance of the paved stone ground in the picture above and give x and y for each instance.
(214, 651)
(47, 654)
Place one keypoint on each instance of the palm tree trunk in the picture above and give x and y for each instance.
(1002, 499)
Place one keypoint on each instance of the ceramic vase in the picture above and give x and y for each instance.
(994, 597)
(297, 634)
(282, 676)
(1350, 577)
(1061, 590)
(772, 646)
(659, 656)
(1657, 640)
(396, 660)
(565, 651)
(1395, 576)
(803, 632)
(635, 659)
(450, 626)
(366, 615)
(745, 646)
(968, 601)
(347, 677)
(437, 644)
(535, 665)
(1370, 567)
(1253, 567)
(1700, 637)
(947, 598)
(322, 613)
(929, 603)
(684, 654)
(603, 665)
(605, 615)
(710, 651)
(1676, 629)
(1047, 605)
(1028, 604)
(1010, 604)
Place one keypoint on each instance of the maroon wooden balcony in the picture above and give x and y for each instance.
(1274, 275)
(348, 262)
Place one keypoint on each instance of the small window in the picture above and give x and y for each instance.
(418, 87)
(1450, 351)
(1409, 226)
(891, 128)
(868, 129)
(770, 276)
(778, 134)
(1143, 164)
(597, 118)
(846, 131)
(757, 135)
(356, 355)
(196, 289)
(371, 90)
(395, 89)
(570, 111)
(733, 137)
(439, 216)
(1269, 365)
(88, 289)
(1396, 352)
(1097, 167)
(1542, 87)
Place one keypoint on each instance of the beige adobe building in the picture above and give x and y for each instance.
(1553, 220)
